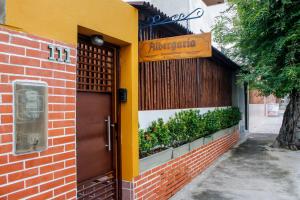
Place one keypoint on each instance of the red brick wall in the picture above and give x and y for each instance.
(164, 181)
(52, 173)
(255, 98)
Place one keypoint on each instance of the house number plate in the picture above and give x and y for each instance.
(63, 54)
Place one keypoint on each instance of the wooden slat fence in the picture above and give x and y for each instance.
(186, 83)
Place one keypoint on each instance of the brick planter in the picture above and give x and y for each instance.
(181, 150)
(164, 181)
(155, 160)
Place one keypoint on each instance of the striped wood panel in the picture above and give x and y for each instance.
(186, 83)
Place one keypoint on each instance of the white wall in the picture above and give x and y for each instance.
(146, 117)
(203, 24)
(207, 21)
(238, 100)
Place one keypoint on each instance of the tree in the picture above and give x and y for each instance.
(263, 36)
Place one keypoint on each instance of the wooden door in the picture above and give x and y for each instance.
(96, 149)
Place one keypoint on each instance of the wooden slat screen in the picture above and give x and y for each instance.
(94, 68)
(187, 83)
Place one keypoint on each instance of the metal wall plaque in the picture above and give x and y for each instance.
(60, 51)
(30, 116)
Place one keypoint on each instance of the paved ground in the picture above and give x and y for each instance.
(251, 171)
(259, 123)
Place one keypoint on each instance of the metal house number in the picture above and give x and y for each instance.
(60, 52)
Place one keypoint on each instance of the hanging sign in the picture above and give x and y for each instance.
(178, 47)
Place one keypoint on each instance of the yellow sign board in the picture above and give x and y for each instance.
(178, 47)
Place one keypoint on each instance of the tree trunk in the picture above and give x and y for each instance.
(289, 134)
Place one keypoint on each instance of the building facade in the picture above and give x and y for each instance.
(49, 42)
(72, 94)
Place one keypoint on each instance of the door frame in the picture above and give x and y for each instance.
(116, 115)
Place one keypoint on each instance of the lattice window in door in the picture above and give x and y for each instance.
(95, 68)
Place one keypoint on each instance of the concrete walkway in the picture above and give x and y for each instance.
(251, 171)
(259, 123)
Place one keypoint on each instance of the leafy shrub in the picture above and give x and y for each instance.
(192, 119)
(160, 130)
(184, 127)
(235, 116)
(212, 121)
(156, 135)
(147, 141)
(177, 130)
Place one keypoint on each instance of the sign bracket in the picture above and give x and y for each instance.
(157, 20)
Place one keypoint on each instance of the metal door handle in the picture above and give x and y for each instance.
(108, 133)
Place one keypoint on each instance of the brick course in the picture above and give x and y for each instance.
(50, 174)
(164, 181)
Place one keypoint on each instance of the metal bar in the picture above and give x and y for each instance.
(157, 19)
(108, 132)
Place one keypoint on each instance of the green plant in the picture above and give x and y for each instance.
(234, 116)
(192, 120)
(156, 136)
(177, 130)
(212, 121)
(147, 141)
(162, 133)
(186, 126)
(183, 127)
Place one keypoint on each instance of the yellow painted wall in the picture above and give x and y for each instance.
(117, 21)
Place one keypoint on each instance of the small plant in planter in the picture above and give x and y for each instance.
(161, 131)
(185, 127)
(212, 121)
(234, 116)
(178, 130)
(191, 120)
(155, 138)
(147, 141)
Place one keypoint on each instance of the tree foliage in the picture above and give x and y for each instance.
(263, 36)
